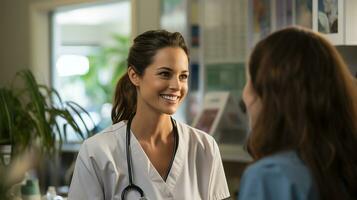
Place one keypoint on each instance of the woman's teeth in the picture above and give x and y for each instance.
(171, 98)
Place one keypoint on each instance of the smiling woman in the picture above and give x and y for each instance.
(164, 85)
(166, 159)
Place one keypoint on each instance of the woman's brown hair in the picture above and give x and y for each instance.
(140, 56)
(309, 104)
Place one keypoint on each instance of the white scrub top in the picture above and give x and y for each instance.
(101, 168)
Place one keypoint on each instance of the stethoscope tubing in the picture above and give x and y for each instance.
(131, 185)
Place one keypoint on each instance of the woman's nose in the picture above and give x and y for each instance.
(175, 83)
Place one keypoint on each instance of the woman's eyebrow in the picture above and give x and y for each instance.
(169, 69)
(164, 68)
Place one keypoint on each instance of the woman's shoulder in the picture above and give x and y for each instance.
(194, 133)
(106, 139)
(106, 134)
(197, 139)
(282, 170)
(284, 163)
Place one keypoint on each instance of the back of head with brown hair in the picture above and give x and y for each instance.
(309, 104)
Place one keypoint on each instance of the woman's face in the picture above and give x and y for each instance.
(251, 101)
(164, 83)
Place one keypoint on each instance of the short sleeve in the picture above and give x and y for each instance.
(265, 182)
(85, 183)
(218, 187)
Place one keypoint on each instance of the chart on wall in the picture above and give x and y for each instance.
(224, 30)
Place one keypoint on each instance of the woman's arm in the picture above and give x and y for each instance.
(85, 183)
(218, 187)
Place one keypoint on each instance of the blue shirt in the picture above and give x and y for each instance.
(282, 176)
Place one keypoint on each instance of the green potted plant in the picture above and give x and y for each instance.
(29, 115)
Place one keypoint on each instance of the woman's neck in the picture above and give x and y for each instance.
(152, 128)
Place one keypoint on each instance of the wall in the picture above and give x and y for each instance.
(14, 38)
(145, 15)
(349, 53)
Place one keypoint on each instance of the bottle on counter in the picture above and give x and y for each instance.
(51, 194)
(30, 191)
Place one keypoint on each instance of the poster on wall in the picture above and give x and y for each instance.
(261, 19)
(328, 19)
(303, 10)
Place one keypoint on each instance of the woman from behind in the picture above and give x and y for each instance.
(302, 105)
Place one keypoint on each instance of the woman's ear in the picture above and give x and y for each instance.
(133, 76)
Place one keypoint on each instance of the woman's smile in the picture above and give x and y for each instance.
(170, 98)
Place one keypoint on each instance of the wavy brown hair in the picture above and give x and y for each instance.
(140, 56)
(309, 104)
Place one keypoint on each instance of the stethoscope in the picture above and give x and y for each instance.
(131, 185)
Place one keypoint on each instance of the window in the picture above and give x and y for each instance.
(89, 49)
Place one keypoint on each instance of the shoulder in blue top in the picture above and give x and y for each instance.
(282, 176)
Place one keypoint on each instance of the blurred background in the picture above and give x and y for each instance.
(79, 48)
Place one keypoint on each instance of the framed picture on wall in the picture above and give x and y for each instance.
(328, 19)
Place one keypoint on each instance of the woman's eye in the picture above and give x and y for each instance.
(183, 76)
(164, 74)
